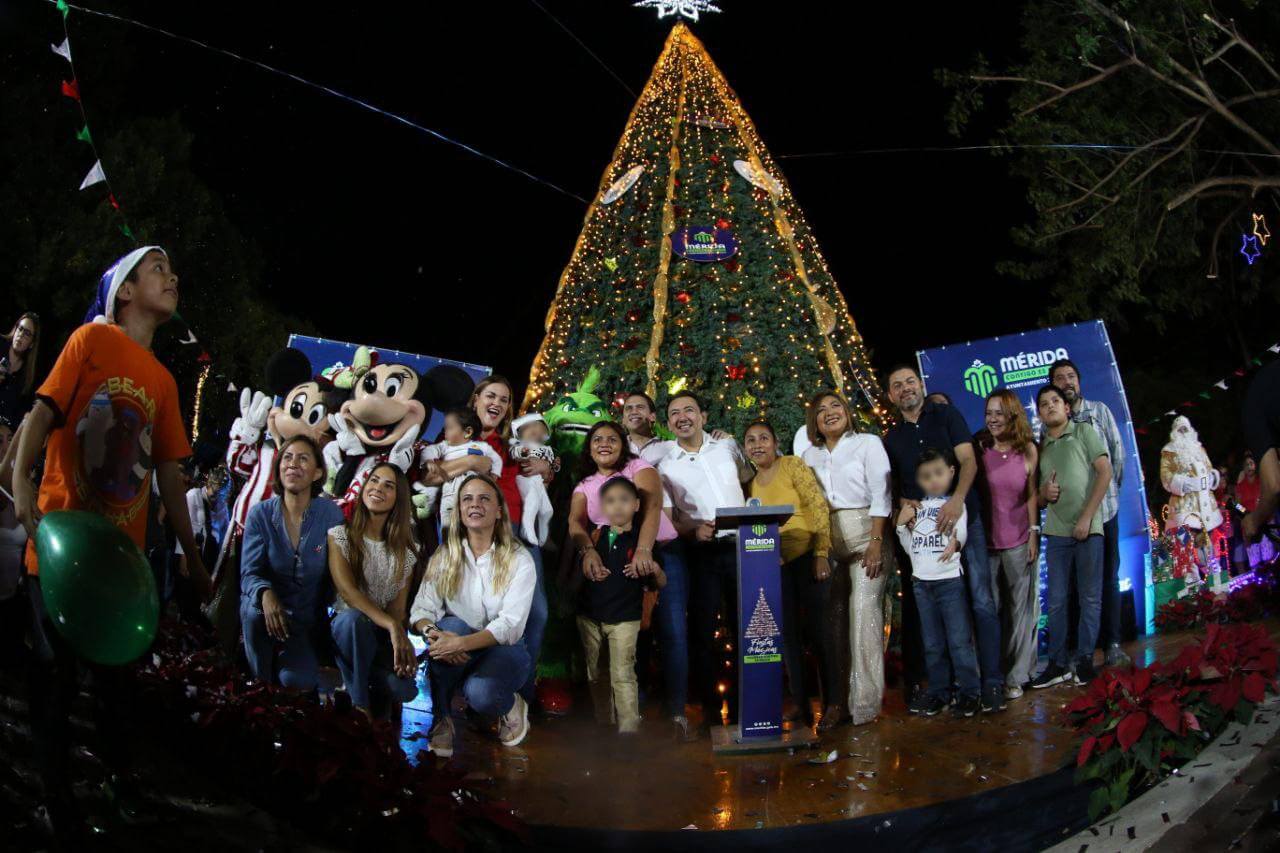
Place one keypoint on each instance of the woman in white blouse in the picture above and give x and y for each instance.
(370, 559)
(853, 470)
(472, 607)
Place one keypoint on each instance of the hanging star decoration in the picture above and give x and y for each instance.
(746, 401)
(1260, 228)
(685, 8)
(1249, 248)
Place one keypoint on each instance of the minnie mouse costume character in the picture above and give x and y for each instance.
(389, 406)
(261, 428)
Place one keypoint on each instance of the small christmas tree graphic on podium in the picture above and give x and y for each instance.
(762, 634)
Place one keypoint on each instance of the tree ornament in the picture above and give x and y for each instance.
(619, 399)
(731, 265)
(620, 186)
(733, 342)
(682, 320)
(639, 240)
(1260, 228)
(634, 315)
(675, 386)
(735, 371)
(733, 317)
(1249, 248)
(683, 8)
(746, 400)
(715, 158)
(722, 223)
(611, 264)
(682, 296)
(629, 343)
(687, 348)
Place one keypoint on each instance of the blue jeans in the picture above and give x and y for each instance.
(671, 620)
(292, 663)
(986, 618)
(489, 680)
(535, 625)
(1067, 557)
(364, 656)
(1110, 626)
(948, 636)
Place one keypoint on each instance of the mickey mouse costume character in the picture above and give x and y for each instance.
(307, 403)
(389, 406)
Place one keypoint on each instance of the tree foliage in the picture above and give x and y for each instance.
(59, 241)
(1144, 132)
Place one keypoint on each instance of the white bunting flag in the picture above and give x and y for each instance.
(1221, 383)
(1274, 348)
(1170, 413)
(95, 176)
(63, 50)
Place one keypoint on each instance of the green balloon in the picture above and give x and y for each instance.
(98, 588)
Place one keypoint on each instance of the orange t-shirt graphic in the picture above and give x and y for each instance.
(117, 419)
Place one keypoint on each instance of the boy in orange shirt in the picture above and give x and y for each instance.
(110, 413)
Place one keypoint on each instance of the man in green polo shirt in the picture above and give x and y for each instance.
(1074, 474)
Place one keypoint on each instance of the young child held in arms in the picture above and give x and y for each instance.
(461, 438)
(941, 598)
(530, 442)
(610, 607)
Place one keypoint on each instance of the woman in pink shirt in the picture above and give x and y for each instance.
(1007, 466)
(607, 454)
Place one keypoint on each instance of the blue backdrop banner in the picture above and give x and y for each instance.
(326, 353)
(968, 372)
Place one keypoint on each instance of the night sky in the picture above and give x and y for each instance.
(381, 234)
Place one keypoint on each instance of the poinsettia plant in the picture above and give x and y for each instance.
(328, 769)
(1141, 723)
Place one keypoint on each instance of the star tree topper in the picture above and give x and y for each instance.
(687, 8)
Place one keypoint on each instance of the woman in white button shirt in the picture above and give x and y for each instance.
(853, 470)
(472, 608)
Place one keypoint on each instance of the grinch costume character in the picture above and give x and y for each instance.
(1190, 479)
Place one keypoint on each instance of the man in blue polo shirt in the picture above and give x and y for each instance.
(926, 424)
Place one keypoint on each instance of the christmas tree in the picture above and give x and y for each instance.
(762, 631)
(695, 269)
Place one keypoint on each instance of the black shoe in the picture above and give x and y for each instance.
(918, 700)
(993, 699)
(967, 706)
(1084, 672)
(1049, 676)
(933, 705)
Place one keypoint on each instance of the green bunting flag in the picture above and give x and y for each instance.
(126, 230)
(83, 135)
(1221, 385)
(63, 8)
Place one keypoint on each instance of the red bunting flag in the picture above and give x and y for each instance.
(112, 198)
(71, 89)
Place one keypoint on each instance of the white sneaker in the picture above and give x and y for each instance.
(441, 737)
(1012, 691)
(514, 725)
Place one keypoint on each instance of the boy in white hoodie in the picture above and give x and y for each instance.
(939, 588)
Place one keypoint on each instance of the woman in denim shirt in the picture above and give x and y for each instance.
(284, 569)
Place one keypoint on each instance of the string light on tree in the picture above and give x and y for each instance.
(771, 312)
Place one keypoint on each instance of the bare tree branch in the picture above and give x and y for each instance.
(1254, 184)
(1103, 74)
(1249, 48)
(1124, 161)
(986, 78)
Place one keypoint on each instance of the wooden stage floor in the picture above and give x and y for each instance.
(572, 773)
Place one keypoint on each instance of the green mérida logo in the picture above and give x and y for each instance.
(704, 237)
(980, 379)
(758, 529)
